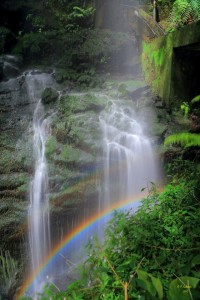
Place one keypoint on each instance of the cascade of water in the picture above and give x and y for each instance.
(39, 224)
(129, 160)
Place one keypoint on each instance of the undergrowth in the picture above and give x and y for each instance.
(152, 254)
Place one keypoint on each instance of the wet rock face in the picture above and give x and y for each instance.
(15, 152)
(73, 149)
(70, 150)
(9, 66)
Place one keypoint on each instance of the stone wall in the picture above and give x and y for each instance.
(162, 64)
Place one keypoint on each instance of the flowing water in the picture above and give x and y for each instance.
(128, 165)
(129, 160)
(39, 221)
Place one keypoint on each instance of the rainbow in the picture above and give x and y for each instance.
(74, 234)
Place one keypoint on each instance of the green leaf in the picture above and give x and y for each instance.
(195, 99)
(144, 276)
(196, 260)
(158, 286)
(185, 139)
(180, 288)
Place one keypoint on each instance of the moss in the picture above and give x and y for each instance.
(49, 95)
(157, 58)
(13, 215)
(76, 193)
(74, 104)
(63, 75)
(51, 146)
(69, 154)
(13, 180)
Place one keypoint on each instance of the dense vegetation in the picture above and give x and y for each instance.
(153, 253)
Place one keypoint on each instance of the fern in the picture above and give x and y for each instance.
(184, 12)
(185, 139)
(8, 272)
(195, 99)
(195, 4)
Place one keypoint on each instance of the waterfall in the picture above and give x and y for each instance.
(128, 163)
(129, 160)
(39, 221)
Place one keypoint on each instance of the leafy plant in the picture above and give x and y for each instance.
(152, 254)
(185, 139)
(183, 13)
(195, 99)
(8, 273)
(185, 108)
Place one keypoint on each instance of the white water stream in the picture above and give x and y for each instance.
(129, 164)
(129, 160)
(39, 221)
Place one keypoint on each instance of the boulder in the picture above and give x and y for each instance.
(49, 95)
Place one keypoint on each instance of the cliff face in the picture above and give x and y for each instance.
(70, 149)
(15, 148)
(73, 150)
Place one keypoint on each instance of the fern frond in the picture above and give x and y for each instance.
(195, 4)
(185, 139)
(183, 12)
(195, 99)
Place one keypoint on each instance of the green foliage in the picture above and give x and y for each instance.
(8, 274)
(195, 99)
(185, 139)
(51, 147)
(155, 251)
(32, 45)
(7, 39)
(37, 22)
(184, 12)
(181, 288)
(70, 16)
(49, 95)
(79, 17)
(185, 108)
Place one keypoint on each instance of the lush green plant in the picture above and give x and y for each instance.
(185, 139)
(195, 99)
(32, 45)
(69, 15)
(8, 274)
(152, 254)
(184, 12)
(185, 108)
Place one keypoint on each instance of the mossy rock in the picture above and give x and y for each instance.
(51, 147)
(12, 181)
(122, 89)
(13, 213)
(49, 95)
(9, 161)
(70, 104)
(85, 130)
(74, 194)
(74, 156)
